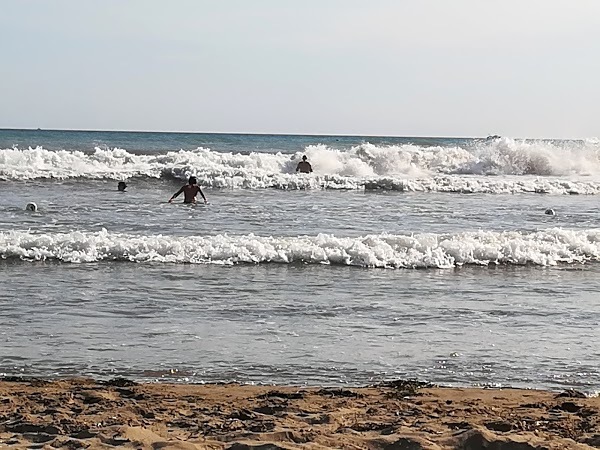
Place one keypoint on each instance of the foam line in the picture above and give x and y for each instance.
(544, 248)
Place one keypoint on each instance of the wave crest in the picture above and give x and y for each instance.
(544, 248)
(408, 167)
(513, 157)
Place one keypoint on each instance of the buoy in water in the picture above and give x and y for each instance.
(550, 212)
(31, 206)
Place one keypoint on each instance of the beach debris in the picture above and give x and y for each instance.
(33, 381)
(383, 427)
(84, 434)
(411, 383)
(270, 410)
(572, 393)
(569, 407)
(405, 388)
(533, 405)
(501, 425)
(339, 393)
(119, 382)
(284, 395)
(128, 393)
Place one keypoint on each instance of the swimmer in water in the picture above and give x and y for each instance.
(190, 191)
(122, 186)
(304, 166)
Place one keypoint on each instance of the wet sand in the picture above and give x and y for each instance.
(83, 413)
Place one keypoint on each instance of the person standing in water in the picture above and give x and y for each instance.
(304, 166)
(190, 191)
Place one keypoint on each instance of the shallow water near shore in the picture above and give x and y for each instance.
(397, 258)
(302, 324)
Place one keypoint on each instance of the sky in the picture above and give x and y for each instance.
(519, 68)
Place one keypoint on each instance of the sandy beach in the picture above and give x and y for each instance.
(83, 413)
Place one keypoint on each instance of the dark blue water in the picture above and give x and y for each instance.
(152, 142)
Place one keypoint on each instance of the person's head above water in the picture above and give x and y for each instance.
(192, 180)
(304, 158)
(121, 186)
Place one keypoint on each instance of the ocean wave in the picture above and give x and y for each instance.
(544, 248)
(574, 165)
(506, 156)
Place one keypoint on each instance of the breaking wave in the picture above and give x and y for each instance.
(545, 248)
(500, 165)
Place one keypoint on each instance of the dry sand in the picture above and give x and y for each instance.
(83, 413)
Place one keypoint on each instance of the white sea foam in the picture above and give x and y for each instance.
(545, 248)
(517, 166)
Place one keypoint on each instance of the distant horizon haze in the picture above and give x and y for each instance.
(259, 133)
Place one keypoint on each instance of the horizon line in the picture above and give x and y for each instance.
(242, 133)
(259, 133)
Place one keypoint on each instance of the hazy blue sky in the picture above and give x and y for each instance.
(523, 68)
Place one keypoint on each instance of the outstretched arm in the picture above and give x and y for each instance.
(202, 194)
(176, 194)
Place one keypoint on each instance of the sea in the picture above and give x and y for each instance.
(462, 262)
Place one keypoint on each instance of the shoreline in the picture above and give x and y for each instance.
(119, 413)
